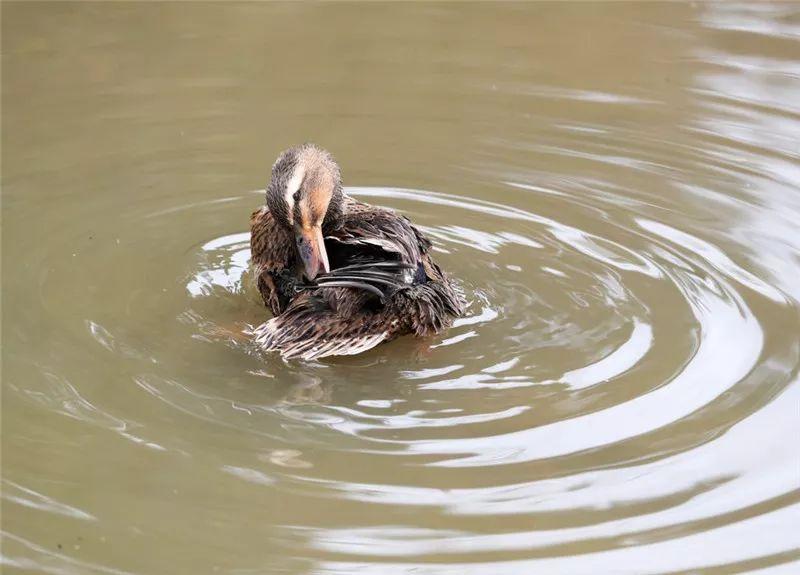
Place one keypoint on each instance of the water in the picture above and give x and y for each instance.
(615, 185)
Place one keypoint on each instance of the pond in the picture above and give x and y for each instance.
(615, 186)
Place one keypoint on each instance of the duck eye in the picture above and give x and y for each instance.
(296, 196)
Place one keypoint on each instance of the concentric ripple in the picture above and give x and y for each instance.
(578, 355)
(620, 397)
(611, 390)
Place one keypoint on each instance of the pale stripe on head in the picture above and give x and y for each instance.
(292, 186)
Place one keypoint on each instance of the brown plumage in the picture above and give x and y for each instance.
(340, 276)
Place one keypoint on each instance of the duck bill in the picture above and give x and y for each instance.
(311, 248)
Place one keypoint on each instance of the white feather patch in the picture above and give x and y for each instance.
(291, 187)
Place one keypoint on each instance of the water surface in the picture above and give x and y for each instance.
(615, 185)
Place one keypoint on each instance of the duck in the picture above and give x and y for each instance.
(340, 276)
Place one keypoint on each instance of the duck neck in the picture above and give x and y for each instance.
(336, 210)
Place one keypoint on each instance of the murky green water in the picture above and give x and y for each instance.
(616, 185)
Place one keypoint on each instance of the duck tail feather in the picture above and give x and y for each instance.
(291, 343)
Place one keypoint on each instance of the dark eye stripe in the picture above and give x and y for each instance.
(296, 215)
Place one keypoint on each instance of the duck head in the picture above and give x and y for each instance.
(305, 197)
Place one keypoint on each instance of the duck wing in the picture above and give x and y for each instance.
(375, 250)
(371, 234)
(381, 279)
